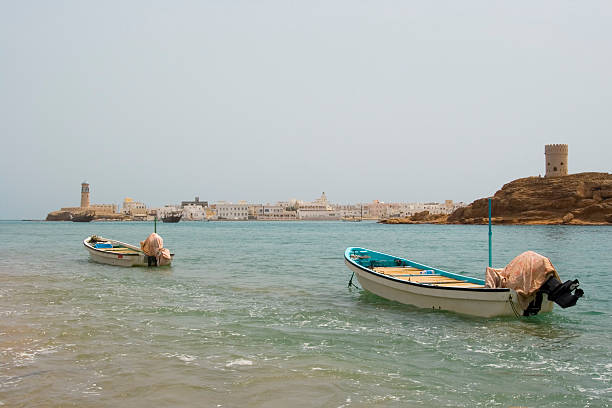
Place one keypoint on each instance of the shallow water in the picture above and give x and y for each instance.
(259, 314)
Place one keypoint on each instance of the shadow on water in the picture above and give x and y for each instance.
(553, 326)
(370, 299)
(550, 326)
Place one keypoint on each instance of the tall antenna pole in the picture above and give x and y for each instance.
(490, 235)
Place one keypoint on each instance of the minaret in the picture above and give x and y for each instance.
(556, 160)
(84, 195)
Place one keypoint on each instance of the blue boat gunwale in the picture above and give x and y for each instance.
(106, 252)
(352, 250)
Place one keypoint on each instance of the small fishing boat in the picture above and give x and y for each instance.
(83, 217)
(113, 252)
(173, 217)
(412, 283)
(351, 219)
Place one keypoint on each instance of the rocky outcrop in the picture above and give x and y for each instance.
(423, 217)
(59, 216)
(584, 198)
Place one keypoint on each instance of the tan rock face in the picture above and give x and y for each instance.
(423, 217)
(59, 216)
(584, 198)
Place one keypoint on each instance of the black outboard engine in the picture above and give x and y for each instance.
(560, 293)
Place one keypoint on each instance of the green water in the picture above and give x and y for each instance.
(258, 314)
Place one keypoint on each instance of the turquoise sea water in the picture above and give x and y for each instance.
(258, 314)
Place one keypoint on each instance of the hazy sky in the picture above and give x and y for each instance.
(272, 100)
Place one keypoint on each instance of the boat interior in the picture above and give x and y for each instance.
(112, 247)
(410, 271)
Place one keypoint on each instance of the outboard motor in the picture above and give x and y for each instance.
(560, 293)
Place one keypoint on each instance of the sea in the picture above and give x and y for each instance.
(260, 314)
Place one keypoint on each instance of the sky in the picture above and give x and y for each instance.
(397, 101)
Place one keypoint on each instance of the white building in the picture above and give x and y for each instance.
(319, 209)
(229, 211)
(166, 211)
(270, 212)
(134, 208)
(350, 210)
(310, 213)
(379, 209)
(192, 212)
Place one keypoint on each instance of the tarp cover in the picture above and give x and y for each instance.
(154, 246)
(525, 274)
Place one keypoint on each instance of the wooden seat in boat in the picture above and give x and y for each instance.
(121, 250)
(395, 270)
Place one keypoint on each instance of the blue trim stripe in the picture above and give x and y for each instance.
(368, 257)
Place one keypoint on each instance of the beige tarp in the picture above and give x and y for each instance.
(154, 246)
(525, 274)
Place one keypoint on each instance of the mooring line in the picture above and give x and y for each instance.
(351, 281)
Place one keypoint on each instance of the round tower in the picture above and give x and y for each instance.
(556, 160)
(84, 195)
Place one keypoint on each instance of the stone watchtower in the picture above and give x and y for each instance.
(556, 160)
(84, 195)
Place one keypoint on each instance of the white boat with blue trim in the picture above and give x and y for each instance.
(113, 252)
(413, 283)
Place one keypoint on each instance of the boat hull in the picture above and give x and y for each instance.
(172, 219)
(83, 218)
(125, 260)
(481, 302)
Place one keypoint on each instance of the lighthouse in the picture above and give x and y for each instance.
(84, 195)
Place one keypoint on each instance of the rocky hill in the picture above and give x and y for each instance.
(584, 198)
(423, 217)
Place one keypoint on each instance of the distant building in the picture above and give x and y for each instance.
(84, 195)
(197, 201)
(556, 159)
(378, 209)
(166, 211)
(229, 211)
(96, 209)
(351, 210)
(103, 209)
(319, 209)
(193, 212)
(311, 213)
(270, 212)
(134, 209)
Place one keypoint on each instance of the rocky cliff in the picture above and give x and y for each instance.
(423, 217)
(59, 216)
(584, 198)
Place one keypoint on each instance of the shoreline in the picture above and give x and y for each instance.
(493, 222)
(390, 221)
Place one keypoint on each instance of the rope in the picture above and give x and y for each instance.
(351, 281)
(517, 314)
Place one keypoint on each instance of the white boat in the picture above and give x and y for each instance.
(420, 285)
(113, 252)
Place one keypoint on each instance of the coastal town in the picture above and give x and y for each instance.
(319, 209)
(557, 198)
